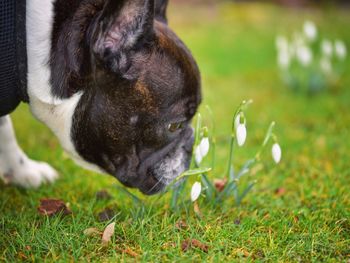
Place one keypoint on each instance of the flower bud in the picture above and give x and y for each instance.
(304, 55)
(201, 150)
(204, 146)
(198, 155)
(276, 152)
(241, 134)
(340, 49)
(196, 191)
(310, 30)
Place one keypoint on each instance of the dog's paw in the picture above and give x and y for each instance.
(30, 174)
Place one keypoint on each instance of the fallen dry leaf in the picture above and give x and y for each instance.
(296, 219)
(106, 215)
(196, 209)
(92, 231)
(128, 251)
(108, 233)
(22, 256)
(241, 252)
(181, 224)
(280, 191)
(220, 184)
(52, 207)
(194, 243)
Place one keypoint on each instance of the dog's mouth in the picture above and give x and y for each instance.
(158, 169)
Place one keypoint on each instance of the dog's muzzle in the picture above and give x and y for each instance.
(154, 172)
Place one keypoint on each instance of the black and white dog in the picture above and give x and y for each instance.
(115, 85)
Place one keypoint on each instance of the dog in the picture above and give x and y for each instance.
(115, 85)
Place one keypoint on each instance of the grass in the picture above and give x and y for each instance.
(234, 46)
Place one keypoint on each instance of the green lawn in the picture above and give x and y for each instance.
(234, 46)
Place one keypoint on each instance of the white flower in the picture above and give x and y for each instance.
(201, 150)
(196, 191)
(241, 134)
(310, 30)
(283, 59)
(326, 65)
(238, 120)
(304, 55)
(276, 152)
(197, 155)
(327, 48)
(340, 49)
(281, 43)
(204, 146)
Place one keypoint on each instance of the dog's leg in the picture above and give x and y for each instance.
(15, 166)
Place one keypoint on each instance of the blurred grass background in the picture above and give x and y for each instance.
(234, 44)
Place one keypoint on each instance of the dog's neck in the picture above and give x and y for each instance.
(55, 112)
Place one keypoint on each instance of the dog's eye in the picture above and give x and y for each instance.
(173, 127)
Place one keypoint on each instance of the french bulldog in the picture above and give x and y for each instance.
(116, 86)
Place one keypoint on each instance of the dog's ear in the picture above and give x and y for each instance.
(160, 10)
(121, 27)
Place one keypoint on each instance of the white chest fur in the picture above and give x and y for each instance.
(56, 113)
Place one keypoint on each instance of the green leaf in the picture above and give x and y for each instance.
(245, 192)
(245, 168)
(229, 188)
(209, 187)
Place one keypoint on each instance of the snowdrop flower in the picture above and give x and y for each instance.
(276, 152)
(283, 59)
(281, 43)
(241, 134)
(340, 49)
(310, 30)
(196, 191)
(304, 55)
(197, 155)
(326, 65)
(201, 150)
(327, 48)
(238, 119)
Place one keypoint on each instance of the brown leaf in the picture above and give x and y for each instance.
(280, 191)
(196, 209)
(194, 243)
(92, 231)
(181, 224)
(106, 215)
(103, 195)
(220, 184)
(296, 219)
(52, 207)
(22, 256)
(129, 251)
(108, 233)
(241, 252)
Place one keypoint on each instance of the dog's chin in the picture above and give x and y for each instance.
(157, 176)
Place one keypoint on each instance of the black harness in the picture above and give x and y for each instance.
(13, 55)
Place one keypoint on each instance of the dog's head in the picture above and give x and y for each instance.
(143, 90)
